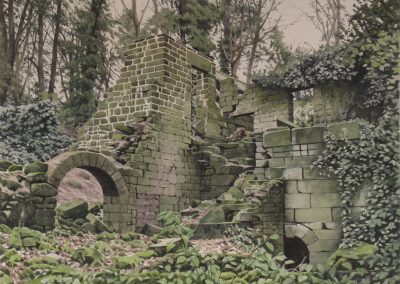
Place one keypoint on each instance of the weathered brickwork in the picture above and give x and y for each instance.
(312, 201)
(333, 103)
(169, 133)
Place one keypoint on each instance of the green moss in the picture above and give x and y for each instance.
(36, 167)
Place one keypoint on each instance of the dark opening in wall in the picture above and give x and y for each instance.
(297, 251)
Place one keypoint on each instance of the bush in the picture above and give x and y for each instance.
(30, 133)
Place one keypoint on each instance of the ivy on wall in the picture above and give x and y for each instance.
(374, 160)
(30, 133)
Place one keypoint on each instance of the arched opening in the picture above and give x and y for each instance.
(80, 183)
(297, 251)
(94, 178)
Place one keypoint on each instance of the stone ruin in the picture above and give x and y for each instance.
(175, 134)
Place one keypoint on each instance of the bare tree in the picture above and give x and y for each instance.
(135, 16)
(236, 22)
(264, 25)
(327, 18)
(56, 42)
(16, 21)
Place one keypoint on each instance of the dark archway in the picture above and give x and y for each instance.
(297, 251)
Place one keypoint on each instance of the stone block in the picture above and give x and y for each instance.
(319, 257)
(317, 186)
(222, 179)
(297, 201)
(43, 189)
(277, 138)
(313, 215)
(199, 61)
(328, 234)
(291, 187)
(36, 167)
(289, 215)
(77, 208)
(308, 135)
(310, 172)
(337, 214)
(349, 130)
(290, 230)
(45, 217)
(273, 173)
(293, 174)
(320, 200)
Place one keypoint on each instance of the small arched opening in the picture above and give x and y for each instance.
(96, 179)
(297, 251)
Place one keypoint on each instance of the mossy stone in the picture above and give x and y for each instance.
(4, 165)
(118, 136)
(43, 189)
(15, 240)
(15, 168)
(87, 255)
(5, 229)
(36, 167)
(215, 215)
(75, 209)
(29, 242)
(107, 236)
(97, 223)
(130, 236)
(36, 177)
(13, 185)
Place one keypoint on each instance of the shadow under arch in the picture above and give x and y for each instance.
(303, 241)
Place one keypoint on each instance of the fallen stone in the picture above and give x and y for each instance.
(130, 236)
(14, 240)
(29, 242)
(215, 215)
(74, 209)
(150, 229)
(97, 223)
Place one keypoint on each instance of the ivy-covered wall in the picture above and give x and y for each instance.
(311, 199)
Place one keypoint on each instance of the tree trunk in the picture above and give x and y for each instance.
(56, 40)
(252, 58)
(40, 63)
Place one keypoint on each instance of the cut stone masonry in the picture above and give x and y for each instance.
(170, 133)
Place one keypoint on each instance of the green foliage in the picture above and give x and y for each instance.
(30, 133)
(190, 20)
(374, 160)
(90, 26)
(370, 57)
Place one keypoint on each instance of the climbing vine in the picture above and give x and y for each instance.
(372, 160)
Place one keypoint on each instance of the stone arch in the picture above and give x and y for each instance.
(109, 174)
(308, 237)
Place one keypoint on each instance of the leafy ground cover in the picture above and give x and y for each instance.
(170, 256)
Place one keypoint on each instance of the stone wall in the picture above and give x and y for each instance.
(26, 199)
(312, 202)
(334, 103)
